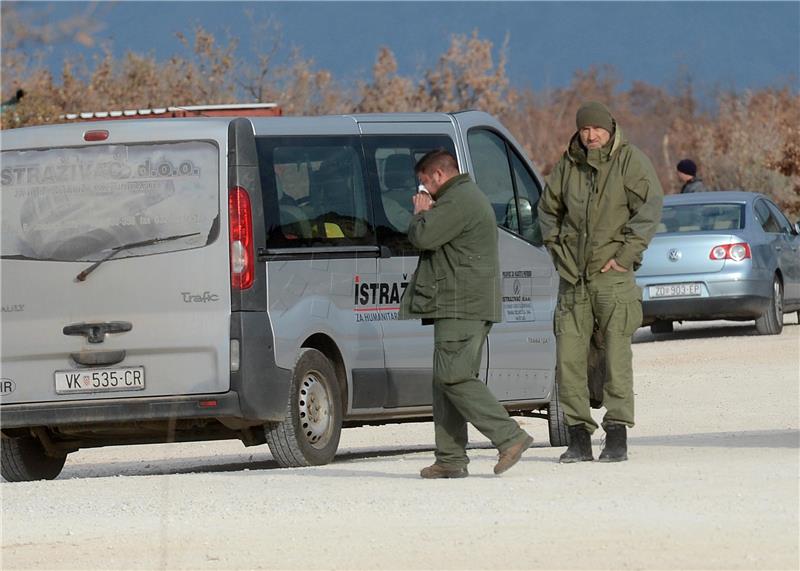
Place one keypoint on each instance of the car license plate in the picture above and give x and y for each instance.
(675, 290)
(100, 380)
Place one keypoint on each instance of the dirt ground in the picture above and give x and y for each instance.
(712, 483)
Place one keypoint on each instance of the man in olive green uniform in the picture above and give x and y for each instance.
(598, 213)
(456, 287)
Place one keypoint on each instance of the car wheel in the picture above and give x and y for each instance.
(309, 435)
(771, 322)
(556, 423)
(24, 459)
(662, 327)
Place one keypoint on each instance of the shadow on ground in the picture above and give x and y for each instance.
(789, 438)
(205, 465)
(700, 330)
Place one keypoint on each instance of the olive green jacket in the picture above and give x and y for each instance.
(458, 270)
(598, 205)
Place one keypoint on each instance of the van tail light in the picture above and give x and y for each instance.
(241, 236)
(736, 252)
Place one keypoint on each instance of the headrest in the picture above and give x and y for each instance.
(398, 172)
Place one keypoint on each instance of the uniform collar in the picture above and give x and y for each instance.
(451, 182)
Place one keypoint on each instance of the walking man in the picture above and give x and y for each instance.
(687, 173)
(598, 213)
(455, 287)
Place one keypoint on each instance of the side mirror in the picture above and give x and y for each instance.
(523, 205)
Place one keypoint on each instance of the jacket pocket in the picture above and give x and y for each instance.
(424, 298)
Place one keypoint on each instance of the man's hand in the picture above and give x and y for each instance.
(612, 265)
(422, 201)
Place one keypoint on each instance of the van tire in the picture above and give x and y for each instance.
(309, 435)
(771, 322)
(24, 459)
(556, 423)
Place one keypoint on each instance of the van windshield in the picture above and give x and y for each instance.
(79, 204)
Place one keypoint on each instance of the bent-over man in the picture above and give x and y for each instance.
(456, 287)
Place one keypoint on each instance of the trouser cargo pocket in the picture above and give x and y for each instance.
(627, 317)
(457, 350)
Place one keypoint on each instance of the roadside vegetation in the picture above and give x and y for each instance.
(740, 140)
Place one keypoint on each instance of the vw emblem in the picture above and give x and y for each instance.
(674, 255)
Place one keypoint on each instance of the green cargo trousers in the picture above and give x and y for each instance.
(614, 301)
(460, 397)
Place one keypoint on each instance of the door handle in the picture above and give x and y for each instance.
(96, 332)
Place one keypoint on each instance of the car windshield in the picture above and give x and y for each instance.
(713, 217)
(77, 204)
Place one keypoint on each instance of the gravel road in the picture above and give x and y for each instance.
(712, 483)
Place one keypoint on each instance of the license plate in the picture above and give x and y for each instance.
(100, 380)
(675, 290)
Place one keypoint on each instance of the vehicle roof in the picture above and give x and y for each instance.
(713, 196)
(70, 134)
(29, 137)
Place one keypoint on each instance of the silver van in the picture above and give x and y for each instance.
(175, 280)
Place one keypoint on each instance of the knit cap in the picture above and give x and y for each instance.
(594, 114)
(687, 166)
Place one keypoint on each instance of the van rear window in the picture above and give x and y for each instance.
(79, 204)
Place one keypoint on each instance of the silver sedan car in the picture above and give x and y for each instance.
(721, 255)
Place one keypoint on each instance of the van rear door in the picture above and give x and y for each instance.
(115, 273)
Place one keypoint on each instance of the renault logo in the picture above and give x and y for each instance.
(674, 255)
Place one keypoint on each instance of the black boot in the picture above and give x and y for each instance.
(580, 446)
(616, 448)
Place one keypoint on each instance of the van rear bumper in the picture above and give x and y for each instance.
(120, 410)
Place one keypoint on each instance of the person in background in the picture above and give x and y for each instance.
(687, 173)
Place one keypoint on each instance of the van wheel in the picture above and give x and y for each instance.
(24, 459)
(309, 435)
(556, 423)
(771, 322)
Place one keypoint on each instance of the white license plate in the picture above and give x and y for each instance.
(674, 290)
(100, 380)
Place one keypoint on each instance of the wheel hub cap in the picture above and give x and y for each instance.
(315, 419)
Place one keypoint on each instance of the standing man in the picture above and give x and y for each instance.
(687, 173)
(598, 213)
(455, 286)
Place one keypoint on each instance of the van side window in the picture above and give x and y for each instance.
(507, 182)
(314, 191)
(390, 163)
